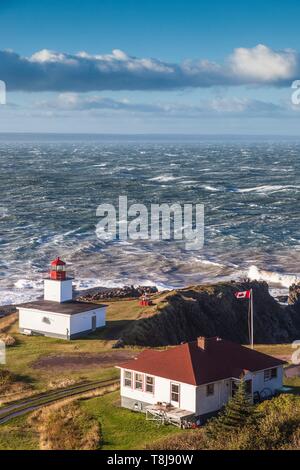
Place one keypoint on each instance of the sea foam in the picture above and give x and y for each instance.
(285, 280)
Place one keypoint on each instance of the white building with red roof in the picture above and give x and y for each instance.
(194, 380)
(58, 315)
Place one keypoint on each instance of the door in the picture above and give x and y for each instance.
(94, 322)
(234, 387)
(175, 394)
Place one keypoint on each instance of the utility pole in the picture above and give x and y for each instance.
(251, 320)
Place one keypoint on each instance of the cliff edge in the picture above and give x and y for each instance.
(213, 310)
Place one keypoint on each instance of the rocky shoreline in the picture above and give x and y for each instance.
(6, 310)
(126, 292)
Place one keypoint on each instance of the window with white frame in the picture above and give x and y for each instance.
(128, 378)
(138, 381)
(149, 384)
(175, 393)
(210, 390)
(270, 374)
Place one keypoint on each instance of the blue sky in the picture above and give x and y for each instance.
(131, 66)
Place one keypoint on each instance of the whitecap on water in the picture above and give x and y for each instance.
(267, 188)
(285, 280)
(164, 178)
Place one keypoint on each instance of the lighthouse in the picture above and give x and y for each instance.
(58, 288)
(58, 315)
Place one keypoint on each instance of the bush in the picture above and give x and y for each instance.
(280, 423)
(6, 378)
(272, 425)
(8, 340)
(224, 431)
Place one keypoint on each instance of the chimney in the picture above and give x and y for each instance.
(202, 342)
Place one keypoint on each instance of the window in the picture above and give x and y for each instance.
(175, 393)
(210, 390)
(274, 373)
(149, 384)
(138, 381)
(248, 386)
(270, 374)
(128, 378)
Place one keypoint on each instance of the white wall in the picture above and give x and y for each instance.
(208, 404)
(222, 393)
(162, 393)
(83, 321)
(58, 323)
(58, 291)
(194, 398)
(47, 322)
(259, 384)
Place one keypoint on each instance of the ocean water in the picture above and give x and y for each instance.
(50, 191)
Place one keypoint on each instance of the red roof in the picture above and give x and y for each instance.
(203, 361)
(58, 262)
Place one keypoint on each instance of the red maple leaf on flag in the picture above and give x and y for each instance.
(243, 295)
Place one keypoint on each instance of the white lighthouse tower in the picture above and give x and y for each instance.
(58, 288)
(59, 315)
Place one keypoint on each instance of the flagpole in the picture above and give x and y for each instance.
(252, 326)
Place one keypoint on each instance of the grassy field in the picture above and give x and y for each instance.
(22, 357)
(18, 435)
(124, 429)
(121, 429)
(285, 350)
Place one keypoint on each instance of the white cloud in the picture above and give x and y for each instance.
(56, 71)
(73, 102)
(262, 64)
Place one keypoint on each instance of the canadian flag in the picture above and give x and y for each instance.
(243, 295)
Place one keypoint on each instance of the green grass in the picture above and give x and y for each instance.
(124, 429)
(121, 429)
(29, 349)
(18, 435)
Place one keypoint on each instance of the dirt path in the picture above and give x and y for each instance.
(27, 405)
(79, 361)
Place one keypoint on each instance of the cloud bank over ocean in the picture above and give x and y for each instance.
(48, 70)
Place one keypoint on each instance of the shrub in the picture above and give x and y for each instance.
(8, 340)
(272, 425)
(224, 430)
(6, 377)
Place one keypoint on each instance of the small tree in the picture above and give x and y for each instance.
(237, 413)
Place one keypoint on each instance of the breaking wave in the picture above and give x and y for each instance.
(284, 280)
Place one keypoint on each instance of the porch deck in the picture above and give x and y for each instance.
(167, 414)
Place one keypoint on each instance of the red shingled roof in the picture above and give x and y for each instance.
(202, 361)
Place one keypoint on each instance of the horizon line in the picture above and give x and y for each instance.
(147, 134)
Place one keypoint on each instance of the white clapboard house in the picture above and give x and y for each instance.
(58, 315)
(195, 380)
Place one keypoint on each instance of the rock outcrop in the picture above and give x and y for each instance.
(294, 295)
(212, 310)
(117, 293)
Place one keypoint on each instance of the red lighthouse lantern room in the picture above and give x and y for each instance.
(58, 270)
